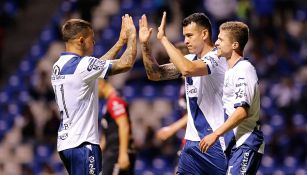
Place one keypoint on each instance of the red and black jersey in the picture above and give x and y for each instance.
(115, 107)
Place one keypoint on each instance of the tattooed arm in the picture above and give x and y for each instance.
(127, 60)
(123, 38)
(154, 71)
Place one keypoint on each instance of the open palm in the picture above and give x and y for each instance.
(144, 31)
(161, 29)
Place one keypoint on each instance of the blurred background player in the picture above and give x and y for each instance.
(204, 73)
(117, 143)
(241, 100)
(74, 80)
(167, 131)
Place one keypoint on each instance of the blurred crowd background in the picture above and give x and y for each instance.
(30, 43)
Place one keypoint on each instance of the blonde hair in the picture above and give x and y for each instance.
(238, 31)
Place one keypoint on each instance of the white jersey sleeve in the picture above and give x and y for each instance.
(93, 68)
(245, 85)
(215, 64)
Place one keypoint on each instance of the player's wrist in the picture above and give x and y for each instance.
(216, 134)
(122, 41)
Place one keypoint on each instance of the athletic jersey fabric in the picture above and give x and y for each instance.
(74, 81)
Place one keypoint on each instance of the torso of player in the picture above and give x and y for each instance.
(115, 107)
(74, 82)
(208, 92)
(241, 87)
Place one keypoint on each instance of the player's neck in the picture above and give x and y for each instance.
(71, 48)
(235, 57)
(207, 48)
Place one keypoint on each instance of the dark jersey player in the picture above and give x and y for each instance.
(116, 142)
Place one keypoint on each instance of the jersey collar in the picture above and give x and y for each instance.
(70, 53)
(241, 59)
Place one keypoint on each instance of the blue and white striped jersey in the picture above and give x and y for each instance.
(241, 89)
(204, 98)
(74, 81)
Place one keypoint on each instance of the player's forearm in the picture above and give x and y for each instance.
(233, 121)
(126, 61)
(111, 54)
(130, 53)
(183, 65)
(124, 137)
(181, 123)
(150, 63)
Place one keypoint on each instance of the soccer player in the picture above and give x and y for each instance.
(74, 81)
(241, 100)
(204, 73)
(117, 143)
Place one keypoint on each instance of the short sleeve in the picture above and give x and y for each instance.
(94, 68)
(117, 107)
(245, 85)
(214, 63)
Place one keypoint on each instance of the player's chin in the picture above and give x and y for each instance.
(191, 51)
(219, 53)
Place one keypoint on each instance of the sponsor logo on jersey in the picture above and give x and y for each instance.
(95, 64)
(91, 166)
(56, 70)
(63, 136)
(244, 164)
(212, 60)
(191, 91)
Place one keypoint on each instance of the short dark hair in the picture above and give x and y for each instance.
(73, 27)
(239, 32)
(200, 19)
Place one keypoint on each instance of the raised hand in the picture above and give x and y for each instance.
(144, 31)
(131, 31)
(161, 29)
(123, 37)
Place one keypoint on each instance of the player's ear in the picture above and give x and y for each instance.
(81, 40)
(205, 34)
(235, 45)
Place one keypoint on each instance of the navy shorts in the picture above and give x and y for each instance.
(244, 160)
(193, 162)
(82, 160)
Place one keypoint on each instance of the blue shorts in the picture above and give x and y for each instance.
(244, 160)
(192, 161)
(82, 160)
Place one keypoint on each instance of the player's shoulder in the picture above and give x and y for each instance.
(89, 58)
(190, 56)
(211, 55)
(90, 62)
(117, 99)
(245, 64)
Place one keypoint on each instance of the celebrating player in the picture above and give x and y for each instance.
(74, 80)
(241, 100)
(204, 76)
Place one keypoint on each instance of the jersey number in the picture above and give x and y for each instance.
(61, 98)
